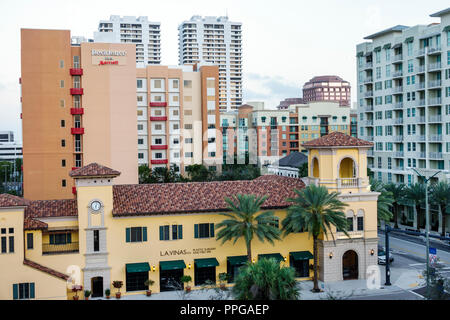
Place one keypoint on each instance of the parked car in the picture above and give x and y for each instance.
(382, 256)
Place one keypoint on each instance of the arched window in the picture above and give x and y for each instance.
(315, 168)
(347, 168)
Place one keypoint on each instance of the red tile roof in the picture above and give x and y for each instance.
(42, 268)
(8, 200)
(94, 170)
(52, 208)
(150, 199)
(337, 139)
(33, 224)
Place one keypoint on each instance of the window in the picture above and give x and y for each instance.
(4, 248)
(62, 103)
(61, 83)
(63, 182)
(175, 83)
(188, 112)
(135, 281)
(29, 241)
(158, 126)
(204, 230)
(141, 141)
(188, 140)
(61, 64)
(140, 112)
(139, 83)
(189, 154)
(157, 84)
(188, 126)
(360, 223)
(177, 232)
(350, 223)
(23, 291)
(96, 240)
(188, 84)
(140, 155)
(136, 234)
(63, 123)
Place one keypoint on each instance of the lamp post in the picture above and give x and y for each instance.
(427, 222)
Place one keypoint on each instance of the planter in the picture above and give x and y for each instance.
(75, 297)
(188, 289)
(107, 297)
(149, 293)
(117, 295)
(223, 286)
(86, 298)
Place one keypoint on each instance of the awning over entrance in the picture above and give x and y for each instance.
(172, 265)
(137, 267)
(205, 263)
(302, 255)
(276, 256)
(237, 260)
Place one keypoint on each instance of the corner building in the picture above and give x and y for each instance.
(89, 102)
(130, 233)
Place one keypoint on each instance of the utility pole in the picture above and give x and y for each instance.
(388, 269)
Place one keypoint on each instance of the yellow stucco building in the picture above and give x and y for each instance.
(132, 233)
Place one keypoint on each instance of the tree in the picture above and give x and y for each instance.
(239, 172)
(245, 221)
(266, 280)
(199, 173)
(384, 202)
(440, 195)
(398, 196)
(315, 211)
(415, 194)
(158, 175)
(303, 170)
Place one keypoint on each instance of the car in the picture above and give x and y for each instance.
(382, 256)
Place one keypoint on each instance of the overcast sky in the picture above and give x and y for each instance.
(285, 42)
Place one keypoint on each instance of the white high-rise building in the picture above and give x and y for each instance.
(216, 40)
(129, 29)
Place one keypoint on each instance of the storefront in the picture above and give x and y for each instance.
(205, 270)
(233, 266)
(136, 275)
(170, 273)
(300, 262)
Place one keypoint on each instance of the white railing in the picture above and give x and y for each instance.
(434, 83)
(433, 101)
(437, 118)
(435, 155)
(434, 66)
(435, 137)
(348, 182)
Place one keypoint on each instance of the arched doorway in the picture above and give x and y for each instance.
(315, 168)
(347, 168)
(350, 265)
(97, 287)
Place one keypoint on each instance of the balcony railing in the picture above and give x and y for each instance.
(398, 89)
(339, 183)
(434, 83)
(422, 137)
(398, 105)
(77, 130)
(398, 120)
(434, 101)
(370, 152)
(437, 118)
(397, 57)
(48, 248)
(421, 102)
(158, 146)
(435, 155)
(433, 50)
(158, 104)
(422, 155)
(76, 91)
(369, 122)
(368, 108)
(435, 137)
(399, 154)
(368, 80)
(159, 161)
(76, 111)
(397, 74)
(368, 65)
(76, 71)
(421, 69)
(434, 66)
(164, 118)
(398, 138)
(368, 94)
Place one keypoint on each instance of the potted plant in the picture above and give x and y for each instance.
(75, 289)
(149, 283)
(117, 284)
(186, 280)
(87, 294)
(223, 278)
(107, 293)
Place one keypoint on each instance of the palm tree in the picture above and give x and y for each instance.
(440, 195)
(244, 221)
(266, 280)
(398, 195)
(384, 202)
(315, 211)
(415, 193)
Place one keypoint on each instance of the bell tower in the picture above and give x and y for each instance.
(339, 162)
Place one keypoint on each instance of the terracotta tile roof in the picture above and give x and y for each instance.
(337, 139)
(94, 170)
(33, 224)
(8, 200)
(52, 208)
(50, 271)
(150, 199)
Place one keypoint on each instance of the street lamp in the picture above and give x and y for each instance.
(427, 221)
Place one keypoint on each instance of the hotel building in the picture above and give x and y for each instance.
(404, 99)
(131, 233)
(9, 148)
(92, 104)
(219, 41)
(327, 88)
(146, 35)
(265, 135)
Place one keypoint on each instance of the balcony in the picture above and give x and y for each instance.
(422, 137)
(421, 119)
(435, 138)
(434, 101)
(48, 248)
(77, 130)
(76, 71)
(434, 84)
(369, 122)
(398, 138)
(421, 69)
(398, 89)
(398, 121)
(422, 155)
(159, 161)
(435, 155)
(397, 74)
(421, 102)
(437, 118)
(76, 111)
(433, 50)
(368, 80)
(158, 118)
(159, 147)
(368, 108)
(398, 105)
(434, 66)
(368, 94)
(420, 52)
(158, 104)
(399, 154)
(397, 58)
(76, 91)
(368, 65)
(370, 153)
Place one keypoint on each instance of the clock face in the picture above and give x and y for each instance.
(96, 205)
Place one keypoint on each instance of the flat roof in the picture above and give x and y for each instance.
(386, 31)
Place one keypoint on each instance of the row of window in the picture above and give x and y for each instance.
(170, 232)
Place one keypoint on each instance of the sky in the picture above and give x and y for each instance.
(285, 43)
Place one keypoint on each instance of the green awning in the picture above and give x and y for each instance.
(409, 39)
(360, 54)
(377, 49)
(172, 265)
(237, 260)
(302, 255)
(205, 263)
(387, 46)
(446, 29)
(137, 267)
(276, 256)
